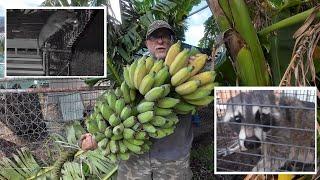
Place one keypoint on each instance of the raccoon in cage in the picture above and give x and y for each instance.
(56, 22)
(281, 126)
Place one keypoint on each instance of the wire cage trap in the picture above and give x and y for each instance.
(265, 131)
(30, 113)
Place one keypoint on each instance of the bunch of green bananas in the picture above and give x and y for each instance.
(115, 126)
(148, 101)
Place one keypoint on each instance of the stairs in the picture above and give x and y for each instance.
(23, 58)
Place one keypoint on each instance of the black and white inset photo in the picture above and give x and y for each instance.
(265, 130)
(56, 42)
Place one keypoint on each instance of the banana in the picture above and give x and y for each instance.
(168, 131)
(167, 88)
(174, 118)
(136, 142)
(122, 148)
(210, 86)
(114, 146)
(103, 143)
(179, 62)
(159, 134)
(149, 63)
(126, 76)
(204, 77)
(119, 105)
(92, 126)
(181, 76)
(118, 92)
(130, 121)
(111, 98)
(198, 94)
(106, 111)
(142, 135)
(125, 92)
(133, 148)
(113, 158)
(157, 66)
(132, 93)
(124, 156)
(125, 113)
(102, 125)
(106, 151)
(98, 136)
(128, 133)
(145, 117)
(162, 111)
(198, 63)
(139, 73)
(132, 70)
(182, 112)
(137, 126)
(108, 132)
(147, 83)
(97, 106)
(158, 121)
(184, 106)
(145, 106)
(167, 102)
(149, 128)
(169, 123)
(154, 94)
(114, 120)
(201, 102)
(172, 53)
(162, 76)
(188, 87)
(117, 137)
(117, 130)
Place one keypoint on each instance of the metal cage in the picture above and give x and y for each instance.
(265, 131)
(32, 110)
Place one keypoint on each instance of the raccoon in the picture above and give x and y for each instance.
(55, 22)
(271, 123)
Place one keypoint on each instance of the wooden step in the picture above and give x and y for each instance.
(11, 72)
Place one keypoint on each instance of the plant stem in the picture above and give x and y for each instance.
(111, 173)
(287, 22)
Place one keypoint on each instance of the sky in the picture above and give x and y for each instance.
(17, 4)
(195, 24)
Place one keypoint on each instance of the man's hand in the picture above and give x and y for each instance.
(87, 142)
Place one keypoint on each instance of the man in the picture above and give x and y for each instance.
(169, 157)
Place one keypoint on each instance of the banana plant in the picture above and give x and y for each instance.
(270, 44)
(85, 165)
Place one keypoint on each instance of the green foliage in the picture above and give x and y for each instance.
(86, 165)
(210, 32)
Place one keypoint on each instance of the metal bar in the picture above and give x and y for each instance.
(51, 90)
(260, 125)
(266, 105)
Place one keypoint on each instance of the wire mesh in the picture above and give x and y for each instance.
(32, 110)
(268, 131)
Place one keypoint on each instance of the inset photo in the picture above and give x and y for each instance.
(56, 42)
(265, 130)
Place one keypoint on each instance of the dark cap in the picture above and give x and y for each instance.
(158, 24)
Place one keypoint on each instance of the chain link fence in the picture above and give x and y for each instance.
(265, 131)
(32, 110)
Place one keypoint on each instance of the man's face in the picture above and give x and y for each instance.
(159, 43)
